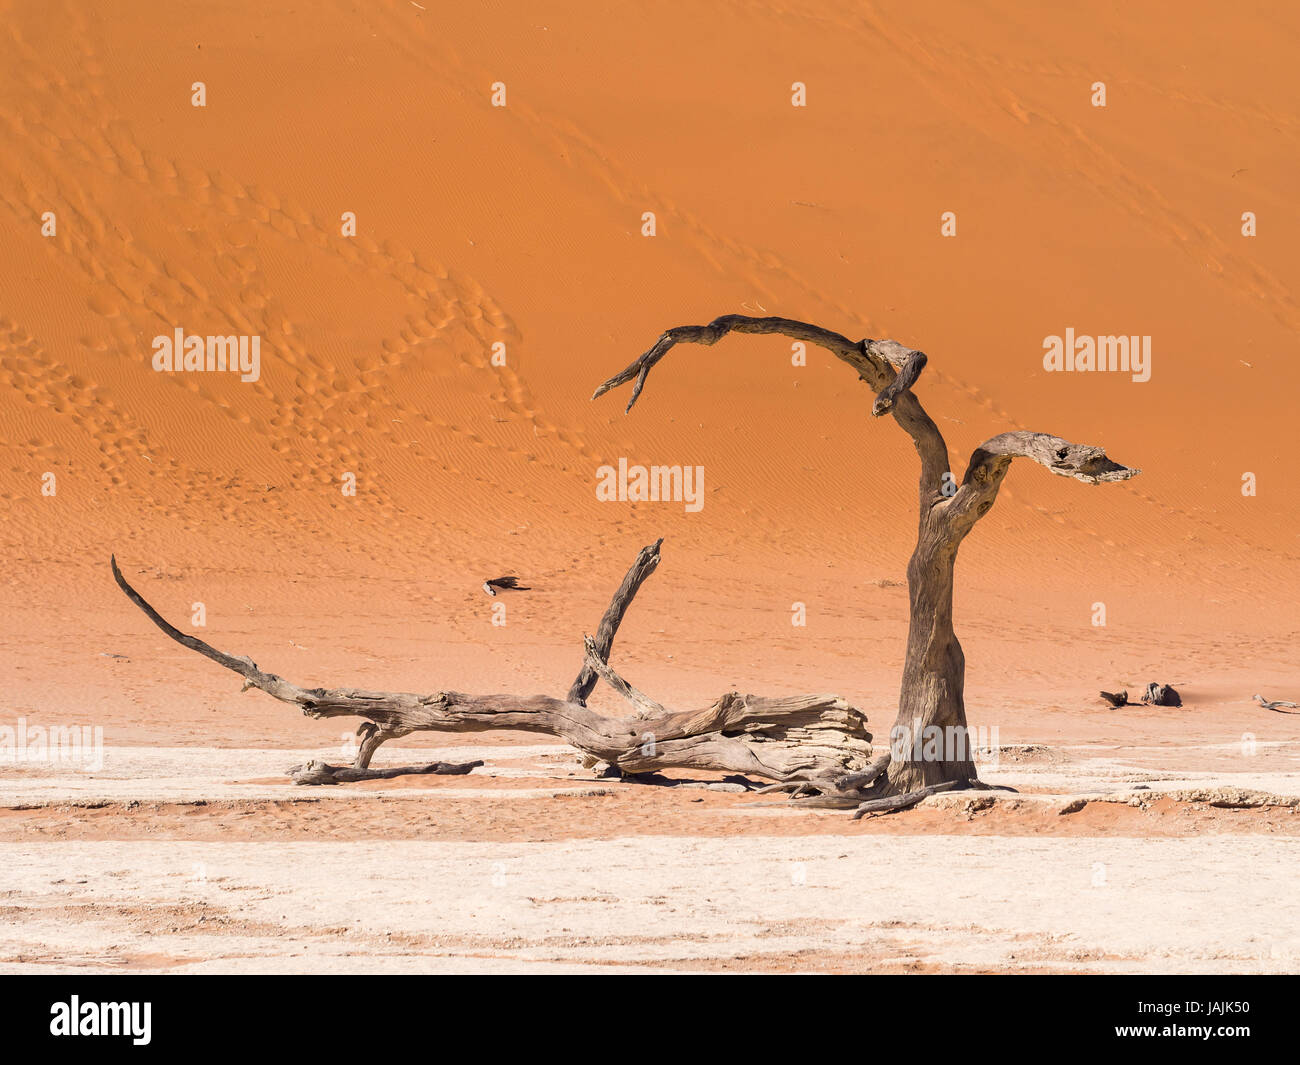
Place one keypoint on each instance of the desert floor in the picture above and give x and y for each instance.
(1108, 858)
(1141, 839)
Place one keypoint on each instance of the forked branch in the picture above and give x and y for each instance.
(647, 561)
(645, 706)
(990, 462)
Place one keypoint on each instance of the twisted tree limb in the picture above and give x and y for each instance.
(770, 738)
(888, 368)
(1087, 464)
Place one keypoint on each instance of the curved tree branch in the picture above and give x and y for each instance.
(241, 664)
(708, 335)
(1080, 461)
(889, 368)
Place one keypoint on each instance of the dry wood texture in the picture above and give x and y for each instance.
(771, 738)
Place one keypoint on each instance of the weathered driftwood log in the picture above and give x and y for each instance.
(318, 772)
(783, 738)
(931, 696)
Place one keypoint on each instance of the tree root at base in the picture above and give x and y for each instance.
(866, 792)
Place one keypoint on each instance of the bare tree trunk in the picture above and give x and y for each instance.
(928, 741)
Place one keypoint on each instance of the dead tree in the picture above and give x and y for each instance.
(932, 696)
(816, 746)
(778, 739)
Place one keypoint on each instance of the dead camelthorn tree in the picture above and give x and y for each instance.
(934, 673)
(779, 739)
(816, 746)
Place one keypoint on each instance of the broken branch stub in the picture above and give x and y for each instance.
(646, 562)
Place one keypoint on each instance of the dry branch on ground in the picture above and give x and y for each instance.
(779, 739)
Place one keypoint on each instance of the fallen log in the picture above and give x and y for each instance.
(318, 772)
(801, 737)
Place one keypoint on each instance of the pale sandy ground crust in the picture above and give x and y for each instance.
(204, 860)
(753, 904)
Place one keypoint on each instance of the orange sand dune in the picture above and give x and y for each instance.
(522, 225)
